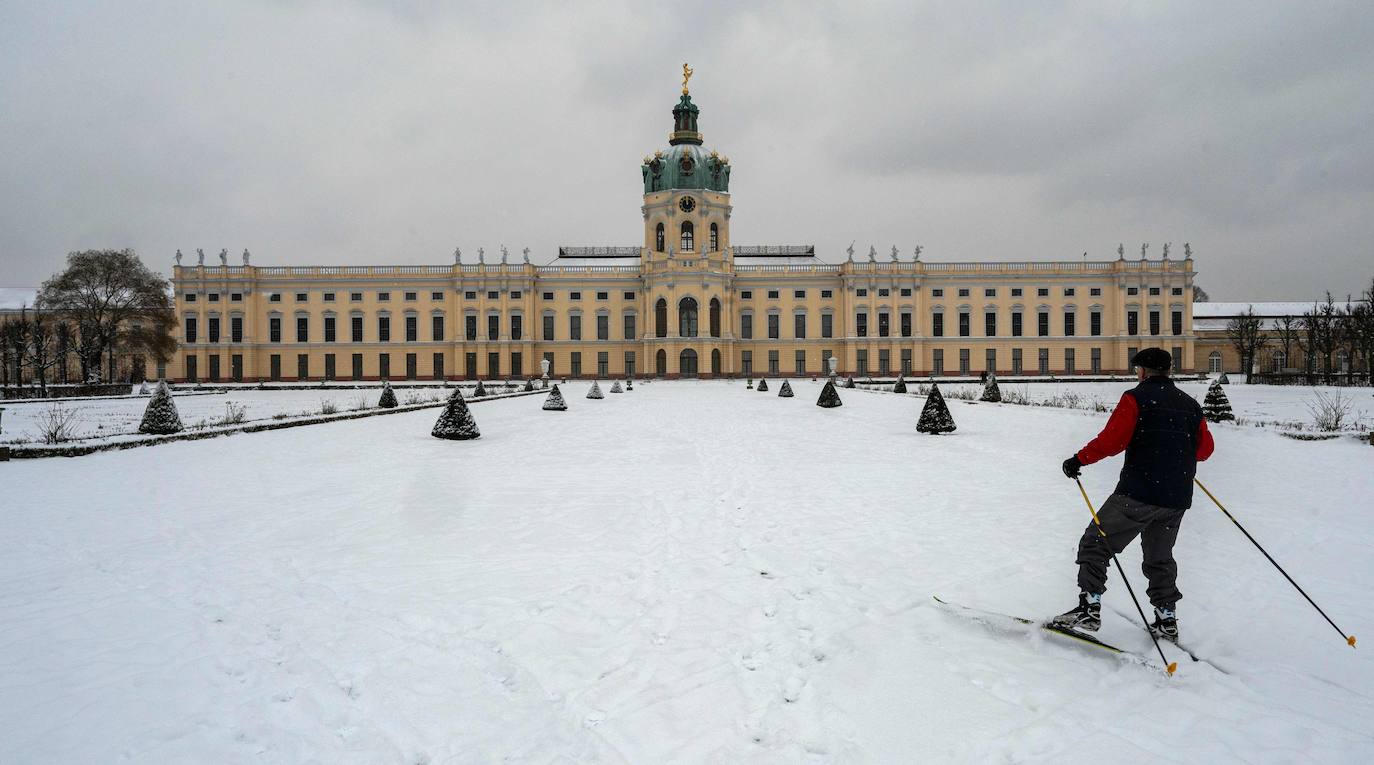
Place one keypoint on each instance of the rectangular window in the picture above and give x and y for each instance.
(629, 363)
(273, 329)
(746, 326)
(799, 294)
(515, 294)
(964, 324)
(549, 326)
(436, 328)
(1154, 290)
(412, 296)
(937, 362)
(412, 329)
(884, 292)
(384, 365)
(1095, 291)
(328, 297)
(357, 366)
(302, 366)
(190, 332)
(1042, 321)
(213, 327)
(989, 292)
(990, 324)
(1016, 361)
(274, 367)
(884, 324)
(964, 367)
(1095, 323)
(576, 363)
(906, 292)
(799, 326)
(746, 295)
(1044, 361)
(548, 356)
(603, 364)
(470, 366)
(629, 295)
(1132, 290)
(494, 364)
(470, 295)
(517, 327)
(330, 329)
(773, 363)
(438, 365)
(1068, 361)
(825, 360)
(302, 329)
(191, 297)
(1097, 361)
(493, 326)
(1070, 323)
(1130, 353)
(937, 324)
(629, 326)
(1178, 357)
(799, 363)
(1176, 322)
(773, 329)
(383, 329)
(496, 295)
(906, 361)
(772, 294)
(603, 296)
(884, 361)
(412, 366)
(356, 328)
(1154, 322)
(861, 361)
(603, 327)
(383, 297)
(1016, 292)
(1042, 292)
(235, 297)
(905, 320)
(214, 367)
(1176, 291)
(1132, 322)
(355, 297)
(574, 295)
(861, 293)
(937, 292)
(990, 361)
(470, 326)
(548, 296)
(437, 296)
(746, 363)
(827, 294)
(827, 325)
(1068, 291)
(861, 325)
(1016, 327)
(236, 367)
(329, 366)
(214, 297)
(575, 327)
(963, 292)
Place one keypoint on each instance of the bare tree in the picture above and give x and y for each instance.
(40, 352)
(1289, 328)
(1244, 333)
(15, 336)
(1319, 326)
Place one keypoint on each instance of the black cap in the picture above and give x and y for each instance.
(1153, 358)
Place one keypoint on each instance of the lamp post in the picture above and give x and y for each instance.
(4, 450)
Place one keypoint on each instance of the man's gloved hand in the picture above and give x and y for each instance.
(1072, 467)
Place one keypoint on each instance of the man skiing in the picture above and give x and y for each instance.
(1164, 435)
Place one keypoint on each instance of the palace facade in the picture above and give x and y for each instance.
(684, 302)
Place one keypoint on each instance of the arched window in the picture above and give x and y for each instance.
(687, 363)
(658, 238)
(715, 238)
(1214, 362)
(715, 315)
(661, 318)
(661, 362)
(715, 361)
(688, 237)
(687, 317)
(1279, 360)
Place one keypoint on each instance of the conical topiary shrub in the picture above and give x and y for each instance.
(615, 387)
(555, 402)
(1216, 407)
(529, 385)
(991, 392)
(1224, 380)
(900, 386)
(455, 423)
(161, 418)
(481, 390)
(388, 399)
(143, 389)
(849, 382)
(595, 391)
(935, 417)
(830, 397)
(763, 384)
(786, 390)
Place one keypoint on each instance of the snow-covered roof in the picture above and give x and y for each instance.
(1267, 310)
(14, 298)
(774, 260)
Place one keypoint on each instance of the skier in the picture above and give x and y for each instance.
(1164, 435)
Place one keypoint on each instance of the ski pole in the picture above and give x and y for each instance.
(1349, 639)
(1169, 667)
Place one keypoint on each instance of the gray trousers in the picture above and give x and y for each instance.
(1123, 519)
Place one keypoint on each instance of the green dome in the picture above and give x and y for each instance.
(684, 165)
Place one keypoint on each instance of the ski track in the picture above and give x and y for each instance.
(688, 572)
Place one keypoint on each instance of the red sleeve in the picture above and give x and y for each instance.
(1204, 442)
(1116, 436)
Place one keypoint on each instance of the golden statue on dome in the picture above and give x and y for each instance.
(686, 75)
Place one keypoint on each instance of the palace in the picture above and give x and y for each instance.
(684, 302)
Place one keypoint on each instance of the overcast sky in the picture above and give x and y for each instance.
(389, 132)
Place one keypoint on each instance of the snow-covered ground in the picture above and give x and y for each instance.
(689, 572)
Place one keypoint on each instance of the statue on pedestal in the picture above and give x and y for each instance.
(894, 253)
(1143, 248)
(246, 256)
(850, 250)
(200, 257)
(918, 251)
(457, 256)
(1187, 251)
(481, 255)
(224, 256)
(872, 254)
(177, 257)
(504, 254)
(1166, 250)
(526, 253)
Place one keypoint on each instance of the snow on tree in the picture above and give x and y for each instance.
(161, 418)
(1216, 407)
(481, 390)
(786, 390)
(595, 391)
(935, 417)
(529, 385)
(615, 387)
(849, 382)
(1224, 380)
(555, 402)
(830, 397)
(388, 399)
(143, 389)
(991, 392)
(763, 384)
(900, 386)
(455, 423)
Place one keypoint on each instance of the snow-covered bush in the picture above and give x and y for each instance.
(555, 402)
(455, 423)
(481, 390)
(615, 387)
(359, 402)
(935, 416)
(900, 386)
(388, 399)
(161, 418)
(1224, 380)
(234, 414)
(991, 392)
(785, 391)
(57, 424)
(595, 391)
(143, 389)
(327, 406)
(1328, 410)
(763, 384)
(830, 397)
(849, 382)
(1215, 406)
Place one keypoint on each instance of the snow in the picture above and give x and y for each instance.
(754, 585)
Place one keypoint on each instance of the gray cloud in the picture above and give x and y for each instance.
(379, 132)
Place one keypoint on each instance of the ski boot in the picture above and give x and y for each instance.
(1165, 625)
(1087, 616)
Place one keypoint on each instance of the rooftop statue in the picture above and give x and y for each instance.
(894, 253)
(686, 75)
(246, 256)
(200, 257)
(918, 251)
(457, 256)
(504, 254)
(178, 257)
(1143, 248)
(526, 253)
(1121, 251)
(850, 250)
(481, 255)
(1187, 251)
(224, 256)
(872, 254)
(1166, 250)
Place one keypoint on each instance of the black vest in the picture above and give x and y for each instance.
(1161, 459)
